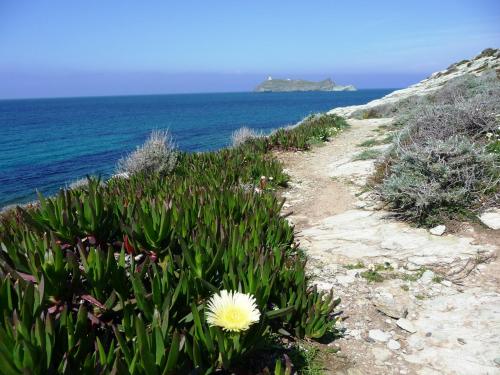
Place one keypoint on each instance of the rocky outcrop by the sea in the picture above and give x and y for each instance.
(288, 85)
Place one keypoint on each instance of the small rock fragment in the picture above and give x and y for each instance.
(446, 283)
(355, 333)
(412, 266)
(381, 355)
(360, 204)
(345, 280)
(393, 345)
(438, 230)
(416, 343)
(386, 304)
(378, 335)
(491, 218)
(461, 341)
(406, 325)
(427, 276)
(354, 371)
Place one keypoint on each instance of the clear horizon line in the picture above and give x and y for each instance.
(182, 93)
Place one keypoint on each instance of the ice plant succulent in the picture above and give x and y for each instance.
(232, 311)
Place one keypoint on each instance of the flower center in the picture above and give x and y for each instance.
(234, 316)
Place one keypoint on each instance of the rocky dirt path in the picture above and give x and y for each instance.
(413, 302)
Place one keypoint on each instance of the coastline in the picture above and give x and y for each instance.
(270, 111)
(426, 86)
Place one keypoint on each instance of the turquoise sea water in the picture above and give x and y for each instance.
(48, 143)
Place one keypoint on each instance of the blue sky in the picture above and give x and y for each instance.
(95, 47)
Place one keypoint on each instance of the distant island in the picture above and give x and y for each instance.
(287, 85)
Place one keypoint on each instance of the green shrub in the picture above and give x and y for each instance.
(367, 155)
(494, 147)
(313, 129)
(372, 276)
(369, 143)
(115, 278)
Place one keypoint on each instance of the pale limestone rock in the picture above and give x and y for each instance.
(427, 277)
(381, 355)
(471, 315)
(406, 325)
(446, 283)
(393, 345)
(491, 218)
(378, 335)
(360, 204)
(385, 303)
(416, 342)
(355, 333)
(354, 371)
(345, 279)
(358, 233)
(438, 230)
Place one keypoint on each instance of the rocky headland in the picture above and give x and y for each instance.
(290, 85)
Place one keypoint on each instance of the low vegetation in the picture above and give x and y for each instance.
(440, 177)
(120, 277)
(243, 135)
(367, 154)
(369, 143)
(158, 155)
(445, 160)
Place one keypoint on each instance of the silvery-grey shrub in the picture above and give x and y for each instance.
(465, 86)
(82, 183)
(392, 109)
(438, 160)
(157, 155)
(242, 135)
(438, 176)
(473, 117)
(456, 90)
(77, 184)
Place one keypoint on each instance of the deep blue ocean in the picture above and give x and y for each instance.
(46, 144)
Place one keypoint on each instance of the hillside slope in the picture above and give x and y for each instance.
(487, 60)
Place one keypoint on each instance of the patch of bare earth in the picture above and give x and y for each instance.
(437, 308)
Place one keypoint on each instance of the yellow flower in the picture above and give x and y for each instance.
(232, 311)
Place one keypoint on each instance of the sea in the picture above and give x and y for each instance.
(45, 144)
